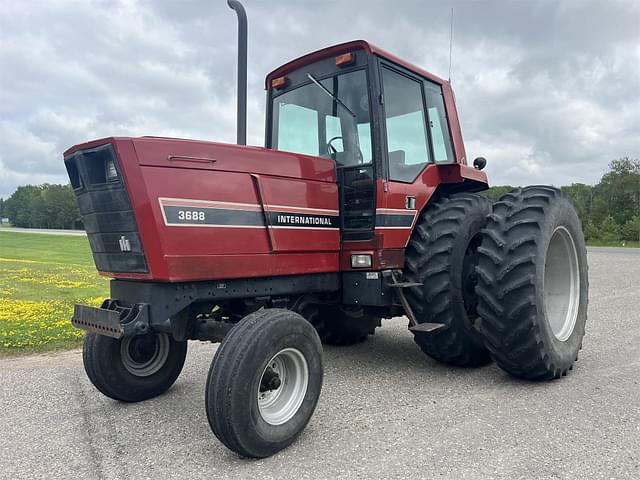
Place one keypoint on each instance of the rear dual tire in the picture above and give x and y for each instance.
(533, 285)
(442, 255)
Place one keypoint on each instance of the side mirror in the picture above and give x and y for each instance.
(479, 163)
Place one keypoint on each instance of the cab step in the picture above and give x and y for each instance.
(405, 284)
(399, 287)
(427, 327)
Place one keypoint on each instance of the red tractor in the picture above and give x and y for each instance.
(361, 206)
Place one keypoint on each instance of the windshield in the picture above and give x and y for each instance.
(307, 120)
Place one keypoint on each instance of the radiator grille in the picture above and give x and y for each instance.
(96, 179)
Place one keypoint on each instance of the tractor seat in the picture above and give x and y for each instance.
(399, 170)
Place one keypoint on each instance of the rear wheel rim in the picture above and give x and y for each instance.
(144, 355)
(561, 284)
(279, 405)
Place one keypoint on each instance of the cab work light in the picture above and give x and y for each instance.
(345, 59)
(279, 82)
(360, 261)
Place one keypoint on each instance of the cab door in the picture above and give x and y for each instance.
(349, 143)
(355, 179)
(414, 116)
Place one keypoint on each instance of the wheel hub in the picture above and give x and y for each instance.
(270, 380)
(144, 355)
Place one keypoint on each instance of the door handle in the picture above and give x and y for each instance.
(410, 202)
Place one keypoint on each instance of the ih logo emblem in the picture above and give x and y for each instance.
(125, 244)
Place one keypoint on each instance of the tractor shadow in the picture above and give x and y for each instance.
(392, 352)
(376, 384)
(391, 349)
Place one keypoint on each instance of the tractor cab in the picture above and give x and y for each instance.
(390, 127)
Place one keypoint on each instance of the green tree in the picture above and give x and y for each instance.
(44, 206)
(60, 206)
(494, 193)
(631, 229)
(590, 230)
(581, 196)
(18, 206)
(618, 193)
(39, 218)
(609, 230)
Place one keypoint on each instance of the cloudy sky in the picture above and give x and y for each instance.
(548, 91)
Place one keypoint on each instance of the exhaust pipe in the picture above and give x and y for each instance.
(242, 71)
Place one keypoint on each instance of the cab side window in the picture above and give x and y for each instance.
(438, 124)
(408, 151)
(298, 129)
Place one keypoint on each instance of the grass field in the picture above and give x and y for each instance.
(41, 277)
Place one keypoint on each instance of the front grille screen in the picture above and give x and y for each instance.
(106, 210)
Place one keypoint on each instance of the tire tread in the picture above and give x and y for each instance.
(506, 276)
(427, 261)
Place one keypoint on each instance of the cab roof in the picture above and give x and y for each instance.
(340, 48)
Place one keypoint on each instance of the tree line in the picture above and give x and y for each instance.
(42, 206)
(609, 210)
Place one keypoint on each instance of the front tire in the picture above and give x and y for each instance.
(442, 254)
(533, 284)
(132, 369)
(264, 382)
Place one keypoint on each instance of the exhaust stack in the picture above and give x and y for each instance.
(242, 71)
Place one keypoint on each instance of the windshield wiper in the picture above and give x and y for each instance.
(325, 90)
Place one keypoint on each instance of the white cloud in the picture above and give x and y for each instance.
(546, 91)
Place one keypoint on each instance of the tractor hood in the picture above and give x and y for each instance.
(179, 210)
(200, 155)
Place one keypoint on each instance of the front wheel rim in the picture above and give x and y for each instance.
(278, 405)
(561, 284)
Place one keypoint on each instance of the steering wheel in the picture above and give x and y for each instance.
(331, 150)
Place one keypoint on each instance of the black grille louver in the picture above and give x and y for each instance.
(358, 202)
(106, 211)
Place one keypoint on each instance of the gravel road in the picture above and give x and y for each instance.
(386, 411)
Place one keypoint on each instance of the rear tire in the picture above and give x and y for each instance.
(133, 369)
(338, 325)
(442, 254)
(264, 382)
(533, 284)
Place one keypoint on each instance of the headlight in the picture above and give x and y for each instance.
(111, 172)
(360, 261)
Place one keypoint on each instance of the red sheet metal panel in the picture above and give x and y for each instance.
(203, 216)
